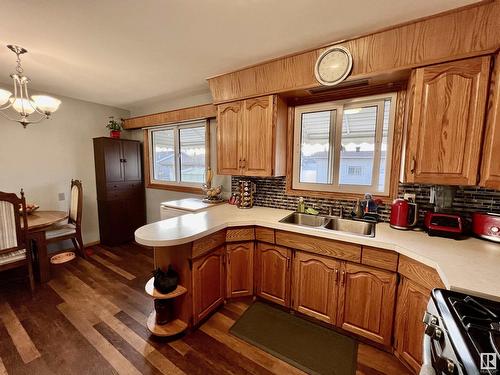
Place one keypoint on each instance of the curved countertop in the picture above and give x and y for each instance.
(470, 266)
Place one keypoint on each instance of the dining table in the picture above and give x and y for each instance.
(38, 223)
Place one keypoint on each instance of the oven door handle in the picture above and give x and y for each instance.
(427, 368)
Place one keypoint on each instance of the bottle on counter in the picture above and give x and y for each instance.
(358, 210)
(301, 206)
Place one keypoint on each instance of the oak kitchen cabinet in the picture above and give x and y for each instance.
(239, 266)
(272, 273)
(354, 297)
(314, 286)
(413, 299)
(208, 283)
(413, 295)
(446, 106)
(490, 167)
(366, 302)
(251, 137)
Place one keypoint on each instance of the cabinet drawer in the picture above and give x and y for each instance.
(385, 259)
(205, 244)
(121, 186)
(126, 190)
(332, 248)
(240, 234)
(264, 234)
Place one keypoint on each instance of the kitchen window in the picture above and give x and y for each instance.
(344, 146)
(178, 154)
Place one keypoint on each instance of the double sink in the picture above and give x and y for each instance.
(333, 223)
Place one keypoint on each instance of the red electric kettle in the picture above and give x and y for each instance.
(404, 214)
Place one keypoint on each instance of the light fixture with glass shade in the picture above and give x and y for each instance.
(21, 102)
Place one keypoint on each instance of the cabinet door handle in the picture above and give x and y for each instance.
(342, 279)
(413, 165)
(287, 263)
(336, 276)
(239, 164)
(244, 163)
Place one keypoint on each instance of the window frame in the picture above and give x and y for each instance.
(335, 145)
(176, 185)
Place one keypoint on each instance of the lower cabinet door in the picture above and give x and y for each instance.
(314, 286)
(239, 264)
(366, 302)
(208, 283)
(412, 304)
(272, 273)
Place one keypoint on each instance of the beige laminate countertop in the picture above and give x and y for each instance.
(471, 265)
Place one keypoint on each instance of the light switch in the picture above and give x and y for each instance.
(61, 196)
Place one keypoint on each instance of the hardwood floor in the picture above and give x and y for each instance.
(91, 319)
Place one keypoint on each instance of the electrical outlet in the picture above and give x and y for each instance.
(61, 196)
(409, 196)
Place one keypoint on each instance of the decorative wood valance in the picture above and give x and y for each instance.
(198, 112)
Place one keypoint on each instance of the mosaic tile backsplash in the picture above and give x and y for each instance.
(271, 192)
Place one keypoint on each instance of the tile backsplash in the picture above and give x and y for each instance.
(271, 192)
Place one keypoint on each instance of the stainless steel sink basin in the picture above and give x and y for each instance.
(305, 220)
(360, 228)
(351, 226)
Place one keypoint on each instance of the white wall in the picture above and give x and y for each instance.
(43, 158)
(155, 196)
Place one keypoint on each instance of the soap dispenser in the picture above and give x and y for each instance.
(358, 211)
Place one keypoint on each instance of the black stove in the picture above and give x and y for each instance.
(462, 334)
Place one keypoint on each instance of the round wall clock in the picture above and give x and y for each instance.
(333, 66)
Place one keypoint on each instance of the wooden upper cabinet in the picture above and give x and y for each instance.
(229, 127)
(314, 286)
(366, 302)
(208, 283)
(490, 168)
(239, 265)
(251, 137)
(272, 273)
(446, 105)
(409, 329)
(258, 136)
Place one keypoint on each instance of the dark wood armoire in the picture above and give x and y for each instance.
(120, 189)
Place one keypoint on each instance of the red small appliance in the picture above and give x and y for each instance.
(404, 214)
(449, 225)
(486, 225)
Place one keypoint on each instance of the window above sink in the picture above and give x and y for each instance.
(344, 146)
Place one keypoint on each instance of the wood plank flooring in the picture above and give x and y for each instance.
(91, 319)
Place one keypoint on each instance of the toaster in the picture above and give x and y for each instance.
(486, 225)
(444, 225)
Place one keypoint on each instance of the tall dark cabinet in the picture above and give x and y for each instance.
(120, 189)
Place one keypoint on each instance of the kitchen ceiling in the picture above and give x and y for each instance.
(124, 52)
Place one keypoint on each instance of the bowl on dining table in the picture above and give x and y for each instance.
(30, 208)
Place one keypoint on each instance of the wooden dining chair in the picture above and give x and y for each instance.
(14, 248)
(72, 230)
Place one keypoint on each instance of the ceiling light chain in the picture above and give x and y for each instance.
(20, 101)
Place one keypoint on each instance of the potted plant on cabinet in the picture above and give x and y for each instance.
(115, 127)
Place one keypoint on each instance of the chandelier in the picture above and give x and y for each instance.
(21, 102)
